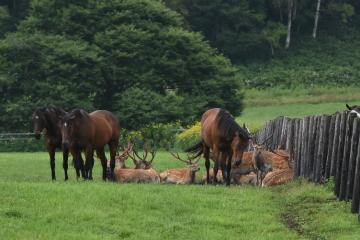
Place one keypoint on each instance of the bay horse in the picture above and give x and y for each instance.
(226, 139)
(354, 109)
(82, 131)
(48, 119)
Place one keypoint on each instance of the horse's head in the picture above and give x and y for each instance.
(70, 124)
(239, 144)
(354, 109)
(39, 121)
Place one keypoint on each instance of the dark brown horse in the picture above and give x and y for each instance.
(48, 119)
(82, 131)
(226, 139)
(354, 109)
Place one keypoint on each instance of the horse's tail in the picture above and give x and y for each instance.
(196, 150)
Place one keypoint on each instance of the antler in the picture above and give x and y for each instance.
(267, 139)
(189, 160)
(137, 159)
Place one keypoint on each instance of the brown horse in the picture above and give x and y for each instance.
(48, 118)
(82, 131)
(226, 139)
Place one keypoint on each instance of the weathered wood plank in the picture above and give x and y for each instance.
(325, 146)
(320, 151)
(314, 147)
(346, 155)
(330, 145)
(340, 153)
(335, 145)
(299, 126)
(352, 159)
(303, 151)
(356, 189)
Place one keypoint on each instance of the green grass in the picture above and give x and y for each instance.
(255, 117)
(33, 207)
(300, 95)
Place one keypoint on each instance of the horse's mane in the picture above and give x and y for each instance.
(228, 126)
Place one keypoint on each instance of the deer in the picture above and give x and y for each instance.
(136, 175)
(185, 175)
(278, 177)
(261, 160)
(120, 159)
(141, 162)
(241, 174)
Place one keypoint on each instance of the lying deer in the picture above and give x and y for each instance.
(278, 177)
(185, 175)
(135, 175)
(241, 174)
(141, 162)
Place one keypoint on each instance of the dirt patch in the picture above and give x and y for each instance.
(290, 222)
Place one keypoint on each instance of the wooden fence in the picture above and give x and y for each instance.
(321, 147)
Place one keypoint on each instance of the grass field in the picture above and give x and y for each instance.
(256, 116)
(33, 207)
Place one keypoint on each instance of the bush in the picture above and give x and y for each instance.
(29, 145)
(155, 136)
(188, 137)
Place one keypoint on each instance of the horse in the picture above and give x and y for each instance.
(354, 109)
(226, 139)
(82, 131)
(48, 118)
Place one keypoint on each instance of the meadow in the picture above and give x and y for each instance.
(34, 207)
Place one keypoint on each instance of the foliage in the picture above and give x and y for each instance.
(327, 62)
(189, 137)
(134, 58)
(155, 136)
(249, 30)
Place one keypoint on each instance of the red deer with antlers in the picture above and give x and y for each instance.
(185, 175)
(136, 175)
(141, 162)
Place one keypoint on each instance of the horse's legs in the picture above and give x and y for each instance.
(113, 148)
(89, 161)
(79, 165)
(216, 168)
(228, 177)
(65, 162)
(101, 154)
(51, 150)
(223, 168)
(207, 162)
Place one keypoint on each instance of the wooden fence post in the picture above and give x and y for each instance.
(340, 153)
(296, 147)
(335, 145)
(330, 146)
(356, 189)
(303, 151)
(319, 172)
(352, 159)
(346, 155)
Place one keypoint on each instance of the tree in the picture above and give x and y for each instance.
(289, 22)
(316, 18)
(128, 54)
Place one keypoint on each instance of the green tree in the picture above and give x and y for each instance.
(116, 50)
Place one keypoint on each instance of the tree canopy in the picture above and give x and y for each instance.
(133, 57)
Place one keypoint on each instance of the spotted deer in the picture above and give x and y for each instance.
(278, 177)
(185, 175)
